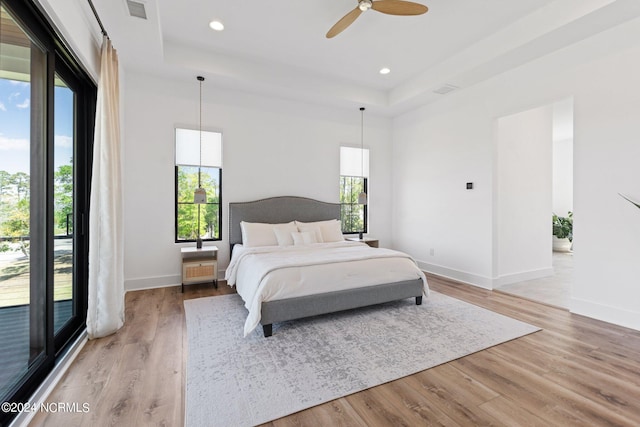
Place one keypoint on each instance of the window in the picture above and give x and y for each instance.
(198, 167)
(47, 112)
(354, 174)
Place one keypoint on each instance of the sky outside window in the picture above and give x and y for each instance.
(14, 126)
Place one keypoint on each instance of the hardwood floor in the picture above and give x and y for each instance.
(577, 371)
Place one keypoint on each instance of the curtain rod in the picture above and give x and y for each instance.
(104, 32)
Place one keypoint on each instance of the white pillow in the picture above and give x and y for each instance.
(312, 227)
(303, 238)
(330, 230)
(259, 234)
(283, 233)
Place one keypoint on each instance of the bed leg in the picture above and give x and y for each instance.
(419, 300)
(267, 329)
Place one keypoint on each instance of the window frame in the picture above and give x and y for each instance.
(354, 168)
(365, 220)
(176, 189)
(219, 203)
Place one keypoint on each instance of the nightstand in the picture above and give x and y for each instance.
(369, 241)
(199, 265)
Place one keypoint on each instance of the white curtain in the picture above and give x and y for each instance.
(105, 314)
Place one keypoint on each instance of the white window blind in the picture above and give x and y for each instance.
(188, 148)
(351, 162)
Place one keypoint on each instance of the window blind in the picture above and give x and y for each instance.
(188, 148)
(351, 162)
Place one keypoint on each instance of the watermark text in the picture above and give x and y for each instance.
(48, 407)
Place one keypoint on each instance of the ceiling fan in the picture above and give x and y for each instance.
(390, 7)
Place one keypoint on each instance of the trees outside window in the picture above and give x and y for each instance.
(187, 212)
(353, 215)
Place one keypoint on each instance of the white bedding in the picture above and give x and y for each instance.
(270, 273)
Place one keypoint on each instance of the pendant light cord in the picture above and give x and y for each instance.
(200, 79)
(362, 141)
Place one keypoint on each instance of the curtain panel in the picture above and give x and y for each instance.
(105, 313)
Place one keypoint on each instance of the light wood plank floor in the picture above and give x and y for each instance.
(577, 371)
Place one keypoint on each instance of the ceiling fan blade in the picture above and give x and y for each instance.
(399, 7)
(343, 23)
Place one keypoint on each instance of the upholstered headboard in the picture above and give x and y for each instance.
(277, 210)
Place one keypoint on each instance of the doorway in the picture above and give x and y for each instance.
(538, 273)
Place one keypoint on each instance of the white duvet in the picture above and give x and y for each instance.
(271, 273)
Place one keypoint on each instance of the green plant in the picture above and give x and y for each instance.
(563, 226)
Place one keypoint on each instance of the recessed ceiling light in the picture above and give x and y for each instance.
(216, 25)
(385, 70)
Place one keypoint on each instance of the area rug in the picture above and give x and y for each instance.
(237, 381)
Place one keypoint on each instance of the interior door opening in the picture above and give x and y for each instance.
(548, 163)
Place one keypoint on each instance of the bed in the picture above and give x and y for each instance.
(292, 263)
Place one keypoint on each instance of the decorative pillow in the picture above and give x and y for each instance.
(313, 227)
(283, 233)
(303, 238)
(330, 230)
(260, 234)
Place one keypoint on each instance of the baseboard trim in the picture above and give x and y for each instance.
(152, 282)
(143, 283)
(483, 281)
(457, 275)
(606, 313)
(523, 276)
(52, 380)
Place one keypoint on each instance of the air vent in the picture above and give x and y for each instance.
(136, 9)
(446, 88)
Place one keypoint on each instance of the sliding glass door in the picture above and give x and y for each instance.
(22, 327)
(63, 215)
(21, 332)
(46, 116)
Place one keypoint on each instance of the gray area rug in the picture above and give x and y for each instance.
(236, 381)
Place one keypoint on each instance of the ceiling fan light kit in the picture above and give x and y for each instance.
(364, 5)
(389, 7)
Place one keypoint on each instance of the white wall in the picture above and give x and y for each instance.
(523, 197)
(444, 226)
(563, 177)
(270, 148)
(607, 228)
(79, 29)
(563, 157)
(439, 146)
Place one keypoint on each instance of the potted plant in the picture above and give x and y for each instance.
(562, 232)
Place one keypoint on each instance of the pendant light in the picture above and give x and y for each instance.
(362, 197)
(200, 195)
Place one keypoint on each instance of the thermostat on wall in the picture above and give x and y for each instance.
(469, 185)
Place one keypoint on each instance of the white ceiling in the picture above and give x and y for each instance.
(278, 47)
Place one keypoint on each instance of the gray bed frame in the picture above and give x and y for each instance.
(289, 208)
